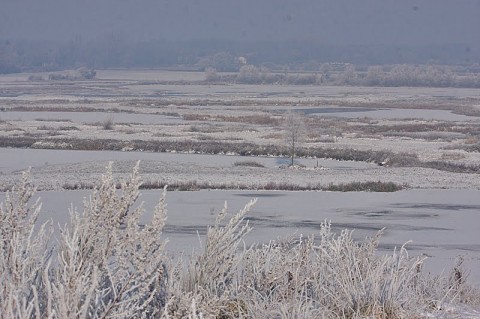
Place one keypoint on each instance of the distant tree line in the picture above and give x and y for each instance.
(79, 74)
(347, 74)
(114, 51)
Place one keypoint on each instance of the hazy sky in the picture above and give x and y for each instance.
(324, 21)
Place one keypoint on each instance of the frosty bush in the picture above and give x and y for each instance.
(24, 254)
(103, 264)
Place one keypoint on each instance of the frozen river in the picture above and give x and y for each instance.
(441, 224)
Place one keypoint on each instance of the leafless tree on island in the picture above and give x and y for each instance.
(295, 132)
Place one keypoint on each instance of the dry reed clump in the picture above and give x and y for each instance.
(249, 164)
(260, 119)
(60, 128)
(365, 187)
(473, 148)
(103, 264)
(108, 124)
(193, 185)
(77, 186)
(45, 106)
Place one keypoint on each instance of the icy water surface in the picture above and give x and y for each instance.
(441, 224)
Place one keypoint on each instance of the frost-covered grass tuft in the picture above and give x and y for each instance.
(103, 264)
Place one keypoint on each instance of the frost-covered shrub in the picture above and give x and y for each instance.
(103, 264)
(24, 253)
(211, 74)
(250, 74)
(106, 264)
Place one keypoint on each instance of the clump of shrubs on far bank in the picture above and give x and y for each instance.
(75, 75)
(347, 74)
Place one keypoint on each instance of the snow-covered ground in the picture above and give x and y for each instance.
(439, 211)
(53, 169)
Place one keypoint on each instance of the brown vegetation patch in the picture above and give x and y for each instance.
(60, 128)
(259, 119)
(275, 186)
(365, 187)
(452, 156)
(52, 108)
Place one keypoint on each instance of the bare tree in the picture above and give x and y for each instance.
(211, 74)
(349, 76)
(294, 132)
(249, 74)
(375, 75)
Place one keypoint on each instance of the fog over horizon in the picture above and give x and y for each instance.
(452, 27)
